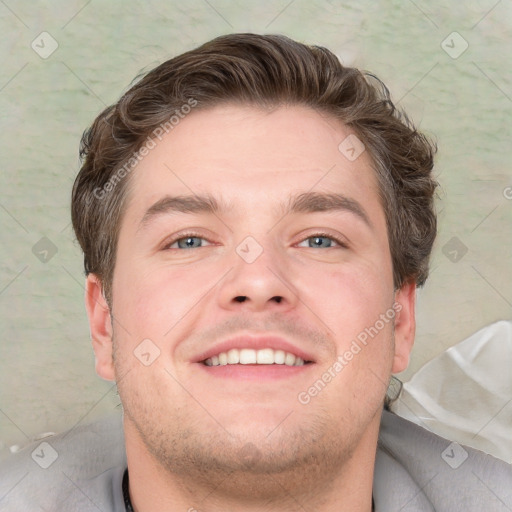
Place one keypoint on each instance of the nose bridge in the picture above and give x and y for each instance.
(259, 275)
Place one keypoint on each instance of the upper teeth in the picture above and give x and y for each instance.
(251, 356)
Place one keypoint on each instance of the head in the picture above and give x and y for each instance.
(217, 145)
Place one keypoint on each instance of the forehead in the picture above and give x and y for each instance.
(248, 156)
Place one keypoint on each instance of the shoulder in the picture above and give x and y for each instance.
(418, 470)
(80, 469)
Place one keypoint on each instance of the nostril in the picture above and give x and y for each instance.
(241, 298)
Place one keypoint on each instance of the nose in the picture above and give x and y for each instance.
(259, 280)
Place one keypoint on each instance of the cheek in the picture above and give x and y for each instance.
(151, 300)
(348, 299)
(352, 302)
(356, 305)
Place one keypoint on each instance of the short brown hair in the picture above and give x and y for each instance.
(265, 71)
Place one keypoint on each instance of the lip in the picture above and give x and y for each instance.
(256, 343)
(259, 373)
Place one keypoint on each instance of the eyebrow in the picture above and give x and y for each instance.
(307, 202)
(183, 204)
(313, 202)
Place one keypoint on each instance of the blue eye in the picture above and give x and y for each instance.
(322, 240)
(186, 242)
(319, 241)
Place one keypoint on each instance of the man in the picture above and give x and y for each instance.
(255, 219)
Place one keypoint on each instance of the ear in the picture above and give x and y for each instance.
(100, 326)
(405, 325)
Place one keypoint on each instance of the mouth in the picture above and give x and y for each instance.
(249, 356)
(255, 358)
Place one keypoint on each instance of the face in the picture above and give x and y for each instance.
(293, 264)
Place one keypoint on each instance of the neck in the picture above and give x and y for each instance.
(331, 487)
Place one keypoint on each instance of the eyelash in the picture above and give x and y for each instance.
(341, 243)
(182, 236)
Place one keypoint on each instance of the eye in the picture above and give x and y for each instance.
(193, 241)
(186, 241)
(323, 240)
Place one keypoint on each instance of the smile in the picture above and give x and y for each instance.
(265, 356)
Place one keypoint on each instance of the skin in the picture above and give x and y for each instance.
(197, 441)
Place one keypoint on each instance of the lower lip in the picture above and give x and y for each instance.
(255, 371)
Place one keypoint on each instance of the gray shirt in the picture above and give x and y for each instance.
(415, 471)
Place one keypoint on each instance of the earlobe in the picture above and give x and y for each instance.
(100, 326)
(405, 325)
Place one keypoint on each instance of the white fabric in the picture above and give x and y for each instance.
(465, 394)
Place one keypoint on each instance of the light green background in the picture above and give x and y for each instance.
(47, 378)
